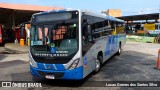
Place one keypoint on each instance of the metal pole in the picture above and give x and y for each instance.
(159, 11)
(159, 18)
(159, 22)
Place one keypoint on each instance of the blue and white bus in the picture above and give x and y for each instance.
(70, 44)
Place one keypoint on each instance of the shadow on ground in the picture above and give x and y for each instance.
(11, 63)
(129, 66)
(9, 51)
(2, 56)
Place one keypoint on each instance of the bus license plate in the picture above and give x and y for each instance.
(50, 77)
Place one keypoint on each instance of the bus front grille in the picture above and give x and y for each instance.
(57, 75)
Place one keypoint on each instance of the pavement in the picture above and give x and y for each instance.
(17, 47)
(12, 53)
(136, 63)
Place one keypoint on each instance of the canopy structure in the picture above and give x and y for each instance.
(28, 7)
(14, 14)
(153, 16)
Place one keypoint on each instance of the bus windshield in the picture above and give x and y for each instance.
(57, 37)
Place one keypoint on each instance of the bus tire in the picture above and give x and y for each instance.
(119, 49)
(98, 64)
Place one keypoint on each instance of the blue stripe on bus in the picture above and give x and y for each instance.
(59, 67)
(85, 60)
(40, 66)
(74, 74)
(33, 71)
(50, 66)
(107, 51)
(112, 44)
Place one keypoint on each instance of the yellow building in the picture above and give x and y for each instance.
(114, 12)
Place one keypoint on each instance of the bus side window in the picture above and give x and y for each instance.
(89, 33)
(85, 31)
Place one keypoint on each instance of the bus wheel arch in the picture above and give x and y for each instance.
(99, 61)
(100, 53)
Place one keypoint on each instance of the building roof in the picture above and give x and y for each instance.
(28, 7)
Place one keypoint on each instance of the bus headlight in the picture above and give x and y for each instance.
(74, 64)
(32, 62)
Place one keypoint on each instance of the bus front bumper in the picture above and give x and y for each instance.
(74, 74)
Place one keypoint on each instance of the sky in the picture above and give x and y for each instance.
(128, 7)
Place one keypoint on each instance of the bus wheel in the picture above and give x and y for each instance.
(119, 50)
(98, 64)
